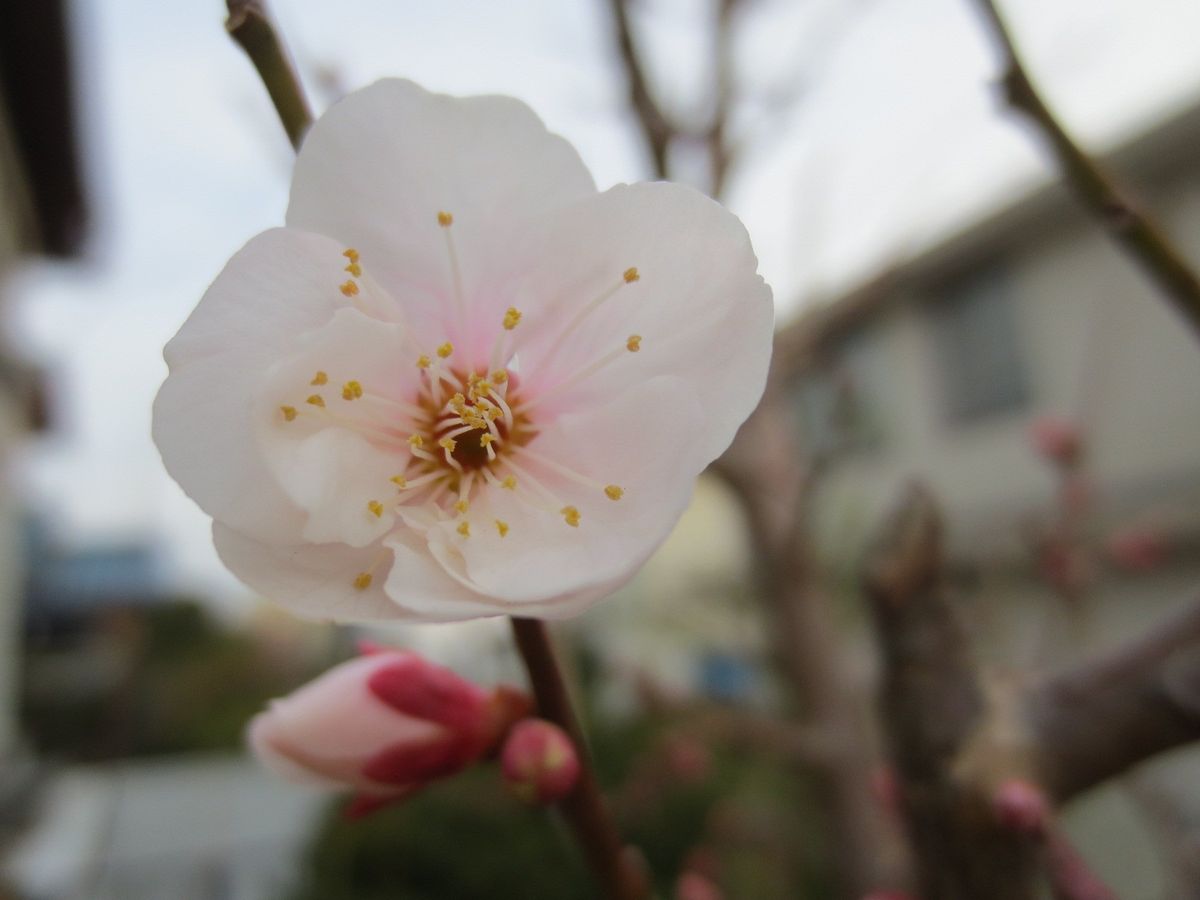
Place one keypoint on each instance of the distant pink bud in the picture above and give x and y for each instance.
(384, 725)
(1057, 440)
(1141, 549)
(1021, 806)
(694, 886)
(539, 762)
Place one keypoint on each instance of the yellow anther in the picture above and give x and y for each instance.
(464, 528)
(512, 318)
(349, 288)
(351, 390)
(491, 413)
(461, 506)
(448, 443)
(351, 254)
(362, 581)
(354, 269)
(509, 482)
(320, 378)
(289, 413)
(502, 527)
(485, 439)
(445, 350)
(315, 400)
(375, 508)
(614, 492)
(500, 376)
(570, 515)
(634, 343)
(399, 481)
(483, 387)
(416, 441)
(445, 219)
(474, 421)
(631, 275)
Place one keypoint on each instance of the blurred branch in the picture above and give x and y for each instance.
(934, 712)
(657, 130)
(1097, 720)
(615, 865)
(1130, 226)
(251, 27)
(763, 469)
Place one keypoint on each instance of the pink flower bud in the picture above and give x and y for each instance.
(539, 762)
(384, 724)
(1140, 549)
(694, 886)
(1056, 440)
(1021, 806)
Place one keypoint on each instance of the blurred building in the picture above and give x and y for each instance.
(42, 211)
(937, 367)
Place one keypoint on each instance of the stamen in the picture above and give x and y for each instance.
(464, 528)
(445, 350)
(461, 506)
(362, 581)
(319, 379)
(512, 318)
(634, 343)
(415, 441)
(424, 362)
(351, 254)
(445, 220)
(352, 390)
(354, 269)
(316, 400)
(631, 275)
(509, 483)
(614, 491)
(448, 444)
(582, 375)
(565, 471)
(375, 508)
(289, 413)
(502, 527)
(570, 515)
(349, 288)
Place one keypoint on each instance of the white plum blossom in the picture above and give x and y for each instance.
(460, 382)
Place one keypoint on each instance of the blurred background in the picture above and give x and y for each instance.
(950, 313)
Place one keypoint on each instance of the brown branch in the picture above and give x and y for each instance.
(936, 716)
(762, 467)
(251, 27)
(1129, 225)
(656, 128)
(615, 865)
(1099, 719)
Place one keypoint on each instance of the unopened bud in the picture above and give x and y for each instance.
(1021, 806)
(539, 762)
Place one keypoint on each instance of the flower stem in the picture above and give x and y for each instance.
(614, 864)
(251, 27)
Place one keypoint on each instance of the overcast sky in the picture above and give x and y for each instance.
(897, 138)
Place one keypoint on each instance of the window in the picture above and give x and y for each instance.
(839, 402)
(976, 347)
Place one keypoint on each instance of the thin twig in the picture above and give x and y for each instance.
(1130, 226)
(656, 128)
(613, 863)
(251, 27)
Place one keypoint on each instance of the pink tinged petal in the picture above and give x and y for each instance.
(380, 165)
(316, 581)
(701, 310)
(282, 284)
(412, 762)
(644, 440)
(418, 688)
(423, 590)
(335, 461)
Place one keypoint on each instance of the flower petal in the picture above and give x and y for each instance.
(315, 581)
(644, 441)
(381, 164)
(424, 591)
(280, 285)
(697, 303)
(335, 459)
